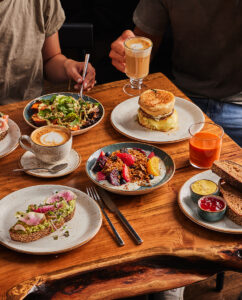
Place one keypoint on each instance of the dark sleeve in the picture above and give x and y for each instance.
(151, 16)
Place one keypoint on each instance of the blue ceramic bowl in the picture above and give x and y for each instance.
(207, 214)
(166, 159)
(27, 113)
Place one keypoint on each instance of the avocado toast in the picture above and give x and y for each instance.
(40, 220)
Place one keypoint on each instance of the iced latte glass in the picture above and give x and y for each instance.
(137, 57)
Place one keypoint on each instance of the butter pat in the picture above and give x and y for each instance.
(203, 187)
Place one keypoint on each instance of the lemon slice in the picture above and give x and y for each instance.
(153, 166)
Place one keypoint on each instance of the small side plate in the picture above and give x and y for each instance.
(10, 142)
(189, 208)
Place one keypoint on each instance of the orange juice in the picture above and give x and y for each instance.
(204, 149)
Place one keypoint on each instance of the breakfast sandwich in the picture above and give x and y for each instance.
(157, 111)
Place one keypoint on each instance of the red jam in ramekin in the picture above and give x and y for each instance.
(211, 208)
(211, 203)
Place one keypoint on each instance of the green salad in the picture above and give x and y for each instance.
(65, 111)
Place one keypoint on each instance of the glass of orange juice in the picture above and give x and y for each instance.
(205, 145)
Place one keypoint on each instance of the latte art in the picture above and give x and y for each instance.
(136, 46)
(52, 139)
(49, 136)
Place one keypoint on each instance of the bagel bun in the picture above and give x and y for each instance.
(163, 124)
(157, 102)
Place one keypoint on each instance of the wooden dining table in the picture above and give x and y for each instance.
(175, 251)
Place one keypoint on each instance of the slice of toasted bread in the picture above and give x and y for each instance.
(230, 171)
(3, 134)
(233, 198)
(26, 237)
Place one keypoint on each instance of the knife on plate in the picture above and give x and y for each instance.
(113, 208)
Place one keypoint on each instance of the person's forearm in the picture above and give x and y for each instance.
(54, 69)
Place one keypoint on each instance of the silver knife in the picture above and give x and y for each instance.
(113, 208)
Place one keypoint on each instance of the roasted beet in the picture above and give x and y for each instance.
(114, 158)
(100, 163)
(113, 177)
(140, 150)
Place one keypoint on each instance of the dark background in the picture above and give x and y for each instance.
(109, 19)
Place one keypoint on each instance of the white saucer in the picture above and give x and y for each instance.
(28, 160)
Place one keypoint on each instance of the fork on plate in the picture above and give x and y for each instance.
(92, 192)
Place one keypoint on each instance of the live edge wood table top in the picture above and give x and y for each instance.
(175, 251)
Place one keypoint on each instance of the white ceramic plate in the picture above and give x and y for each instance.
(28, 160)
(189, 208)
(82, 227)
(10, 142)
(124, 120)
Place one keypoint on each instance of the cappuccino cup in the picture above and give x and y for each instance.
(137, 57)
(50, 144)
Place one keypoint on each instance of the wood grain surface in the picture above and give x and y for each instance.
(175, 252)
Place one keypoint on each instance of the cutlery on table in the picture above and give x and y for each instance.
(52, 170)
(91, 191)
(87, 56)
(113, 208)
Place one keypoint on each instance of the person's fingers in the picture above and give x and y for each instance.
(87, 86)
(118, 45)
(117, 53)
(127, 34)
(119, 66)
(74, 73)
(116, 56)
(90, 77)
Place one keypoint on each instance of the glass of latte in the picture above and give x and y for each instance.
(137, 57)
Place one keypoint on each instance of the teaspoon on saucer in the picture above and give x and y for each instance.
(52, 170)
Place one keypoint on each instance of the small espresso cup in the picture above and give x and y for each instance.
(50, 144)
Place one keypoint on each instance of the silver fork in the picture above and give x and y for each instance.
(91, 191)
(84, 74)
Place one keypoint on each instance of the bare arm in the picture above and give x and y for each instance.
(59, 68)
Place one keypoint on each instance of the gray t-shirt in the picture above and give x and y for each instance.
(207, 43)
(24, 25)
